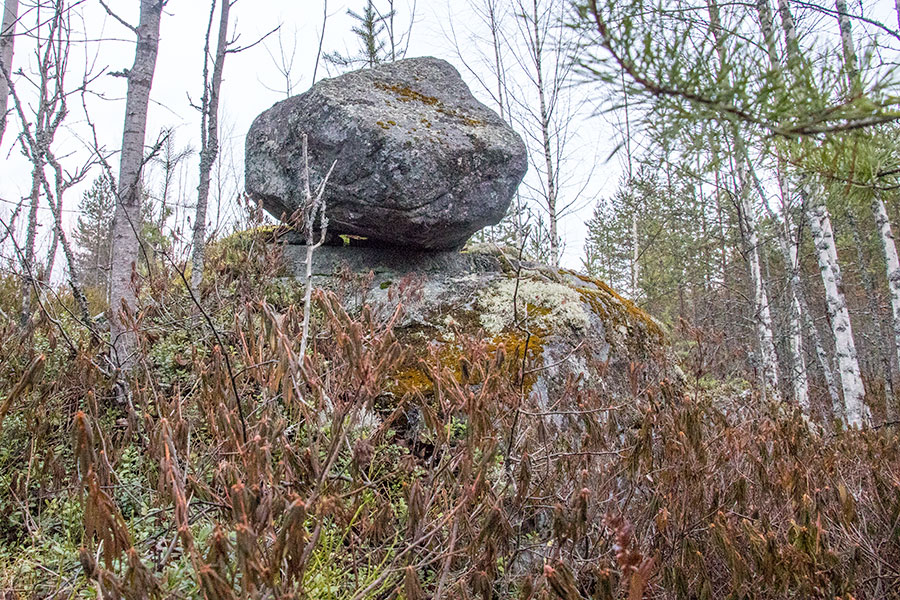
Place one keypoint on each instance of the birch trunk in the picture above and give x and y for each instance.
(800, 313)
(537, 35)
(881, 345)
(799, 374)
(855, 410)
(847, 47)
(792, 45)
(127, 219)
(7, 42)
(209, 136)
(892, 262)
(763, 315)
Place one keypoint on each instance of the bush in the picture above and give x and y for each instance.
(278, 475)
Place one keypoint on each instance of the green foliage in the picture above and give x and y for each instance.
(370, 30)
(93, 233)
(668, 51)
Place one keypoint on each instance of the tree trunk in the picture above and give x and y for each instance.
(855, 410)
(7, 41)
(28, 274)
(847, 47)
(537, 56)
(892, 263)
(792, 45)
(764, 12)
(127, 220)
(209, 136)
(762, 312)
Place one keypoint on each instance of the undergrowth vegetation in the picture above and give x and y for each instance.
(229, 466)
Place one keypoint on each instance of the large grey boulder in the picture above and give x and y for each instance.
(419, 161)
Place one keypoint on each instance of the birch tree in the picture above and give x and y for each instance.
(819, 219)
(886, 237)
(41, 118)
(892, 264)
(126, 221)
(855, 410)
(762, 313)
(548, 66)
(7, 43)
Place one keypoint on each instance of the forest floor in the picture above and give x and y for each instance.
(230, 466)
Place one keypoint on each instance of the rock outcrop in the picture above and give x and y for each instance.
(419, 162)
(574, 330)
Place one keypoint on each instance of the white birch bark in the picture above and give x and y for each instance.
(855, 410)
(7, 42)
(763, 315)
(209, 136)
(792, 45)
(799, 374)
(848, 366)
(127, 219)
(892, 263)
(847, 47)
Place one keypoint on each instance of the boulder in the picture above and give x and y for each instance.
(419, 162)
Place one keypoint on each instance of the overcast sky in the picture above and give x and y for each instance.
(252, 83)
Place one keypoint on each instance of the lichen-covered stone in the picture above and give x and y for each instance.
(419, 162)
(570, 327)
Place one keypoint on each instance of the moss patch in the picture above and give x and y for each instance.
(619, 312)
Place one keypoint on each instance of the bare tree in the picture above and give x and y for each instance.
(548, 65)
(312, 219)
(209, 132)
(36, 138)
(7, 42)
(126, 222)
(749, 229)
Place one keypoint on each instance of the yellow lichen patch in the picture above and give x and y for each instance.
(619, 312)
(505, 350)
(411, 381)
(515, 345)
(405, 94)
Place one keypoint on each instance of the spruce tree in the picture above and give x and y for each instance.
(93, 234)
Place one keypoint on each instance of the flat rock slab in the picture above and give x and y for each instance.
(419, 162)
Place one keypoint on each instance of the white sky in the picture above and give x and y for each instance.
(252, 84)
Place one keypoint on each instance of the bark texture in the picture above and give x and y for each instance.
(209, 136)
(7, 42)
(855, 410)
(892, 263)
(127, 220)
